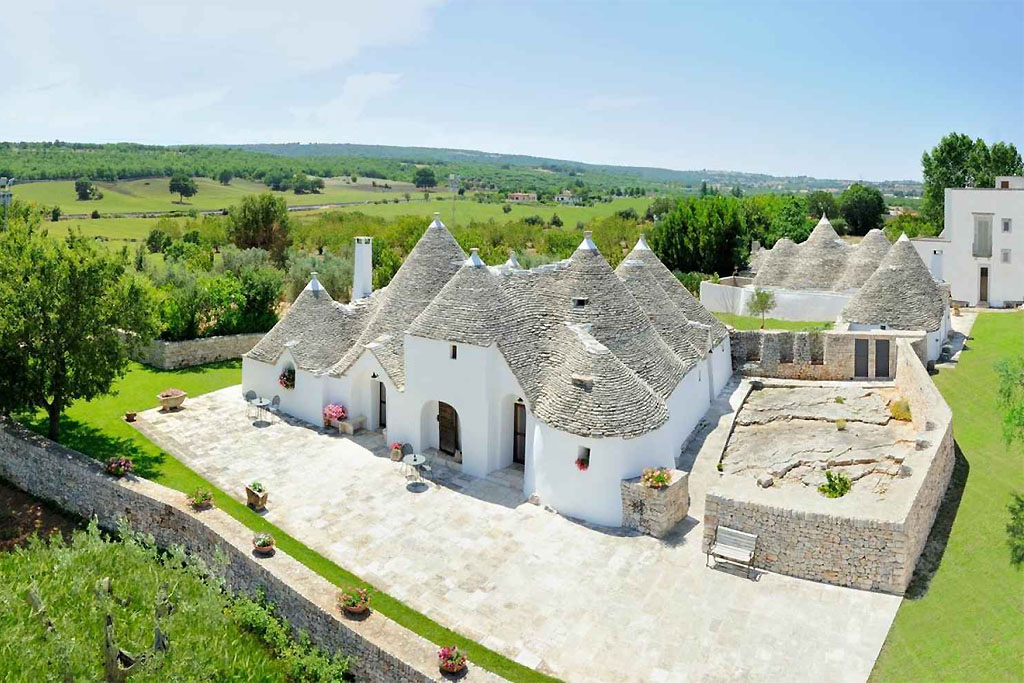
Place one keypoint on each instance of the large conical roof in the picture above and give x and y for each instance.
(900, 294)
(777, 264)
(820, 260)
(864, 260)
(428, 267)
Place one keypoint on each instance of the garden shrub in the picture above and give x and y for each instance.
(835, 486)
(900, 410)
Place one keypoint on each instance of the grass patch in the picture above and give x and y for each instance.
(97, 428)
(747, 322)
(969, 624)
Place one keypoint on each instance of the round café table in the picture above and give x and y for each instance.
(261, 407)
(414, 460)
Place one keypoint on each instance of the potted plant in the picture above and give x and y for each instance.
(287, 378)
(656, 477)
(263, 543)
(130, 416)
(333, 414)
(120, 466)
(171, 399)
(396, 451)
(354, 601)
(201, 499)
(582, 463)
(451, 660)
(256, 496)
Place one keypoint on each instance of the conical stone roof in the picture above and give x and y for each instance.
(900, 294)
(777, 264)
(820, 261)
(864, 260)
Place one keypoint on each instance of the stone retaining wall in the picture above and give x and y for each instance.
(385, 652)
(857, 550)
(655, 511)
(821, 356)
(170, 355)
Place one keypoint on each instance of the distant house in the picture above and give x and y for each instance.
(981, 245)
(566, 197)
(522, 197)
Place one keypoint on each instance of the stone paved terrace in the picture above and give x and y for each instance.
(578, 602)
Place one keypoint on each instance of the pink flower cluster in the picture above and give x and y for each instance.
(334, 411)
(396, 446)
(450, 658)
(120, 466)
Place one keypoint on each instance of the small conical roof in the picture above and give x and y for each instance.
(900, 294)
(820, 260)
(864, 260)
(777, 264)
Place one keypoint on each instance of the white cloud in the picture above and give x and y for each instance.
(345, 109)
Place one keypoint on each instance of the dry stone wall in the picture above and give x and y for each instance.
(171, 355)
(655, 511)
(385, 652)
(857, 551)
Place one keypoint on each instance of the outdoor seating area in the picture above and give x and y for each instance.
(259, 408)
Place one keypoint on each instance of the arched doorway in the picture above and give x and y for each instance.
(447, 429)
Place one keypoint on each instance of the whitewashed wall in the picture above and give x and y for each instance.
(789, 304)
(305, 401)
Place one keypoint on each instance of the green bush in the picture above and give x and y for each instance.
(900, 410)
(835, 486)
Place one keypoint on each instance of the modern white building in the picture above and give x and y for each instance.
(499, 366)
(980, 251)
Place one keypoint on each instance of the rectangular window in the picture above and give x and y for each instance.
(1006, 255)
(1007, 224)
(583, 458)
(454, 352)
(982, 236)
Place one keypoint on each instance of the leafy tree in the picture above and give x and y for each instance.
(911, 224)
(140, 258)
(862, 208)
(555, 222)
(628, 214)
(957, 161)
(506, 208)
(659, 207)
(225, 177)
(705, 234)
(424, 177)
(95, 213)
(316, 185)
(63, 307)
(821, 203)
(261, 221)
(1011, 396)
(157, 240)
(84, 189)
(737, 192)
(183, 186)
(1015, 530)
(761, 303)
(55, 214)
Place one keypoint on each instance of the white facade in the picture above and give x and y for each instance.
(980, 252)
(790, 304)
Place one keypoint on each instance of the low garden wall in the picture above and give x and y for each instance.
(820, 356)
(872, 548)
(655, 511)
(171, 355)
(384, 651)
(730, 296)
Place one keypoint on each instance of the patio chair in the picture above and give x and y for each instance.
(275, 405)
(250, 396)
(428, 466)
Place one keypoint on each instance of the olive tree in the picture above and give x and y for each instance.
(761, 303)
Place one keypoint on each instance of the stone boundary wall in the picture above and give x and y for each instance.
(171, 355)
(732, 295)
(655, 511)
(827, 355)
(860, 552)
(385, 652)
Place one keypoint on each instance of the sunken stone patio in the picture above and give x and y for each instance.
(572, 600)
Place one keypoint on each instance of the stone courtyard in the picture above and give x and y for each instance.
(578, 602)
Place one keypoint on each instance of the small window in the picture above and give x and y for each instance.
(1004, 184)
(579, 301)
(454, 352)
(583, 458)
(1007, 224)
(1006, 255)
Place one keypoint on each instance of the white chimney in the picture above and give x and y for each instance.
(362, 271)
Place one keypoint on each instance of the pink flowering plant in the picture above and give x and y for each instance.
(396, 446)
(287, 378)
(656, 478)
(451, 659)
(120, 466)
(334, 411)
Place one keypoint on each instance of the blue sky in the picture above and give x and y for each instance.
(830, 89)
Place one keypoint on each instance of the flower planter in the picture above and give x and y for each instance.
(130, 416)
(355, 610)
(396, 454)
(204, 506)
(257, 501)
(168, 403)
(263, 550)
(452, 668)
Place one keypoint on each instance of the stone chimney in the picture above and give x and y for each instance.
(362, 269)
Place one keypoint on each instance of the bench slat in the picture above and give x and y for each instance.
(736, 539)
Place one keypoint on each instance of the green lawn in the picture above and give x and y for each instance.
(97, 428)
(969, 624)
(746, 322)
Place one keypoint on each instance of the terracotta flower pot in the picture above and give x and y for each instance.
(449, 668)
(355, 610)
(263, 550)
(130, 416)
(257, 501)
(396, 454)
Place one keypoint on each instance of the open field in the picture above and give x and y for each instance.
(97, 428)
(151, 194)
(969, 623)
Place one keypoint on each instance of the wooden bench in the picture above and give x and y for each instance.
(730, 545)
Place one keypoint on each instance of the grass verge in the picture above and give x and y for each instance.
(968, 625)
(747, 322)
(97, 428)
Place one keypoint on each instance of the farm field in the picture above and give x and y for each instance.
(969, 623)
(151, 194)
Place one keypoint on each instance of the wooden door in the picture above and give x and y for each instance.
(447, 429)
(860, 358)
(881, 358)
(382, 404)
(983, 290)
(519, 433)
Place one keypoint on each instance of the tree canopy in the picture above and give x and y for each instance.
(862, 208)
(706, 234)
(958, 161)
(183, 186)
(424, 177)
(261, 221)
(821, 203)
(69, 317)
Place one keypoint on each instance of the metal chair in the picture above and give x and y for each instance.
(428, 466)
(275, 405)
(250, 396)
